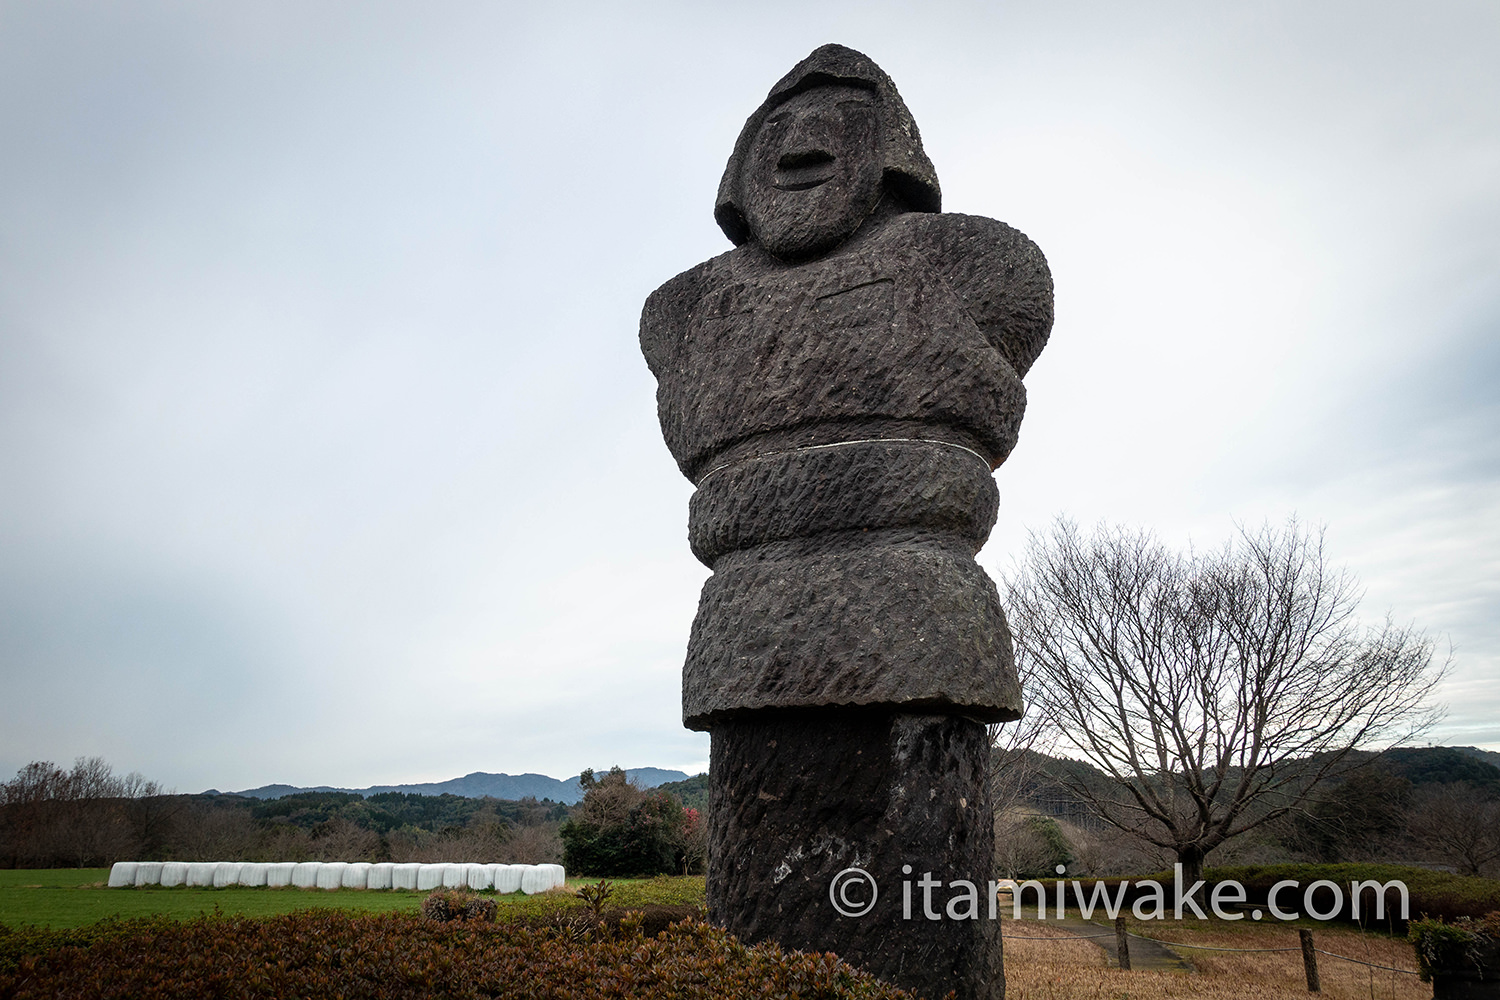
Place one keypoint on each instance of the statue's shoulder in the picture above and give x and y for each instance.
(999, 273)
(665, 316)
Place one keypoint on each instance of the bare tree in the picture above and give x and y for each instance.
(1459, 825)
(1217, 689)
(285, 842)
(341, 840)
(1015, 768)
(1015, 756)
(151, 811)
(534, 845)
(29, 814)
(209, 831)
(608, 798)
(49, 816)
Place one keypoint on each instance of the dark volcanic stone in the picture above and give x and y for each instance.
(856, 487)
(840, 387)
(850, 620)
(881, 330)
(798, 797)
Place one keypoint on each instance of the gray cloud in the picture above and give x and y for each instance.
(321, 410)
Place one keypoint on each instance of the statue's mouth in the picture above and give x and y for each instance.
(803, 169)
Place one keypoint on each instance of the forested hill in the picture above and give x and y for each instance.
(482, 783)
(1417, 765)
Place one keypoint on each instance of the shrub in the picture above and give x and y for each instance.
(405, 957)
(1463, 945)
(595, 896)
(444, 905)
(619, 831)
(1053, 844)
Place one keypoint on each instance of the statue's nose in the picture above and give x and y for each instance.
(808, 142)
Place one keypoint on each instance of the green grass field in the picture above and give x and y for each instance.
(75, 897)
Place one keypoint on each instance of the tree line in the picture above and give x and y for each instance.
(89, 816)
(86, 816)
(1436, 807)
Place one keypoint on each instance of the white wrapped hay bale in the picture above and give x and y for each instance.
(227, 873)
(430, 877)
(507, 878)
(356, 875)
(379, 876)
(254, 873)
(534, 879)
(305, 875)
(559, 877)
(331, 874)
(455, 876)
(279, 874)
(148, 873)
(174, 873)
(405, 875)
(481, 877)
(122, 874)
(200, 874)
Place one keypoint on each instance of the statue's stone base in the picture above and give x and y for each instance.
(799, 796)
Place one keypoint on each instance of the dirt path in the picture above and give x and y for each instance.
(1145, 954)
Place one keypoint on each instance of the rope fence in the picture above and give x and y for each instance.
(1066, 936)
(1204, 947)
(1387, 968)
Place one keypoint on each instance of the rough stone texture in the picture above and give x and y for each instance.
(840, 387)
(799, 796)
(880, 331)
(779, 496)
(856, 622)
(779, 377)
(896, 150)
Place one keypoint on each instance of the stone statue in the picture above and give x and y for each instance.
(839, 387)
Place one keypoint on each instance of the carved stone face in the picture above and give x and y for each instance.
(812, 174)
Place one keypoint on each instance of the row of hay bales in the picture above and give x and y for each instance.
(529, 879)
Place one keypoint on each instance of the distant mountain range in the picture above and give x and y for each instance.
(1416, 764)
(482, 783)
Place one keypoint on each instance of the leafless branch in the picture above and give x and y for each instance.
(1216, 690)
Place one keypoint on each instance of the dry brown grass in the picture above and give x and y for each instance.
(1076, 969)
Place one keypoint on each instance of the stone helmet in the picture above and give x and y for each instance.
(907, 171)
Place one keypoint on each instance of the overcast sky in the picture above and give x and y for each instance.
(327, 453)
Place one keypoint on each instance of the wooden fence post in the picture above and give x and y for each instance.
(1122, 943)
(1310, 962)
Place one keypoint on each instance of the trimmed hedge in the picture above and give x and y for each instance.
(405, 957)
